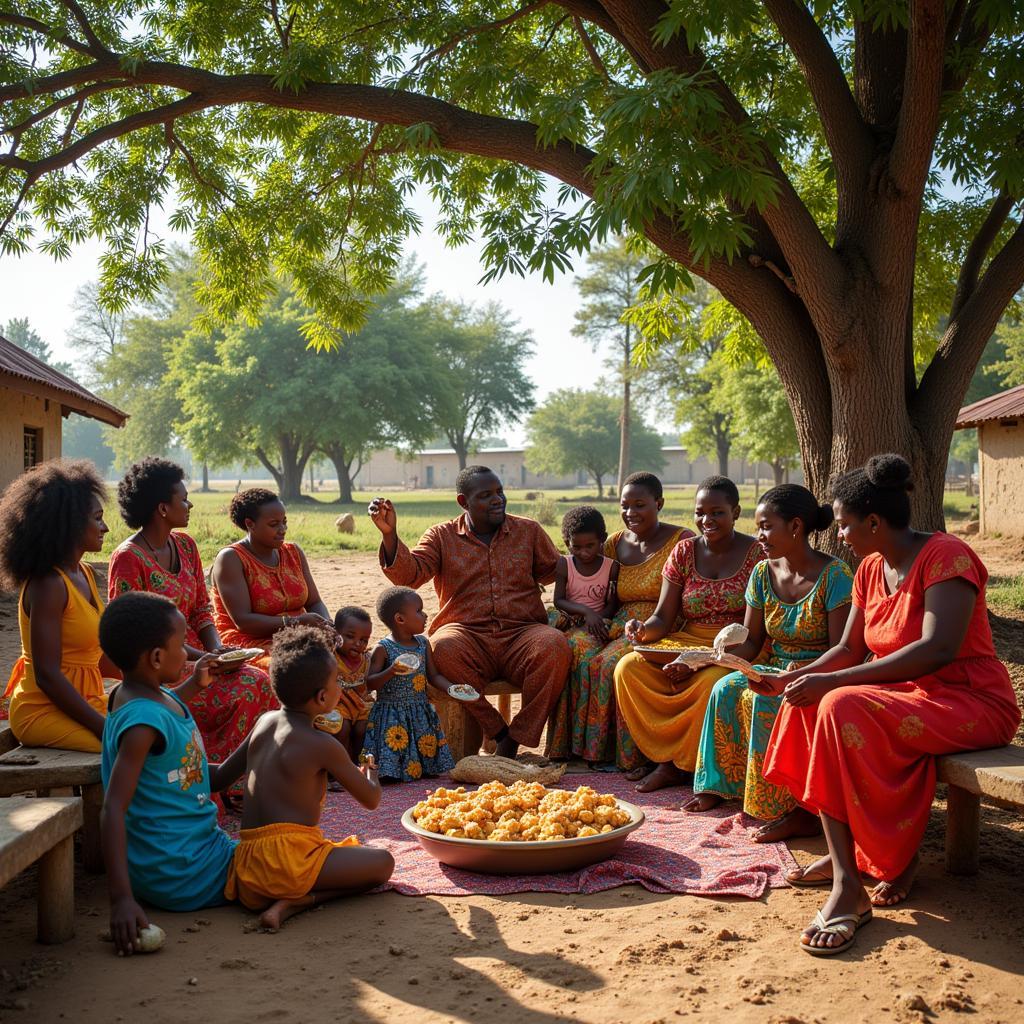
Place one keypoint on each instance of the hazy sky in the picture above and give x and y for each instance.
(36, 287)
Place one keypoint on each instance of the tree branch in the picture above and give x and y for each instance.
(945, 382)
(475, 30)
(51, 84)
(848, 138)
(17, 130)
(588, 45)
(34, 169)
(973, 35)
(978, 250)
(818, 272)
(918, 121)
(34, 25)
(79, 15)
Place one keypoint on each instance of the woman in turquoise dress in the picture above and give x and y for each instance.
(797, 600)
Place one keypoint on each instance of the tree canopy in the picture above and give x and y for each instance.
(794, 156)
(576, 429)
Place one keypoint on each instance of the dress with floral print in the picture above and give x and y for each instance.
(403, 732)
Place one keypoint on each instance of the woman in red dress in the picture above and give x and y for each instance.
(262, 583)
(161, 559)
(915, 675)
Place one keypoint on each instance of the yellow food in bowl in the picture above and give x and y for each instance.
(522, 812)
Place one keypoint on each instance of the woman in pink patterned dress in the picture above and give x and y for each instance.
(161, 559)
(704, 582)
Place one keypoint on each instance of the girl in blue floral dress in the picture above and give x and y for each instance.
(797, 601)
(403, 732)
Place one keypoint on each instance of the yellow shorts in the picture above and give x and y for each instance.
(278, 862)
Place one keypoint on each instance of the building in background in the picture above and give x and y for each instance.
(438, 468)
(34, 399)
(1000, 422)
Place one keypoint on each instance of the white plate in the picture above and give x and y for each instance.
(463, 692)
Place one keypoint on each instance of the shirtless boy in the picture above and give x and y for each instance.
(283, 863)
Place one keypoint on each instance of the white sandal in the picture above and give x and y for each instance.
(845, 926)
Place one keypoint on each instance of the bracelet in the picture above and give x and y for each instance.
(284, 620)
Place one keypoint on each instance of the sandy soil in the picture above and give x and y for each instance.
(624, 955)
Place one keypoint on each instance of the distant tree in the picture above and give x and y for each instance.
(611, 286)
(483, 384)
(20, 332)
(1011, 366)
(254, 390)
(133, 371)
(380, 381)
(704, 412)
(576, 429)
(85, 438)
(96, 331)
(761, 423)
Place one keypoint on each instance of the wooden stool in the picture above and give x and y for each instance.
(42, 829)
(461, 729)
(47, 771)
(997, 774)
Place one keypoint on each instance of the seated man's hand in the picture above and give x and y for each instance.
(383, 516)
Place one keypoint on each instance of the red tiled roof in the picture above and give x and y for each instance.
(1005, 405)
(50, 383)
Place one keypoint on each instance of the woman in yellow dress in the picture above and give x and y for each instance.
(49, 518)
(584, 723)
(704, 581)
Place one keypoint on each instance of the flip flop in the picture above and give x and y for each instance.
(845, 925)
(901, 896)
(809, 880)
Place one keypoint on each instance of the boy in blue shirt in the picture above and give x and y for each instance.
(161, 841)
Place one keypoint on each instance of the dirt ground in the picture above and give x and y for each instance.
(625, 955)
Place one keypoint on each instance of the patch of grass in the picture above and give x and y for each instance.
(1006, 593)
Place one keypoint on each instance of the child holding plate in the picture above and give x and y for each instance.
(403, 732)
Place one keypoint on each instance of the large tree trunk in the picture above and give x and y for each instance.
(205, 489)
(342, 463)
(600, 488)
(722, 446)
(293, 453)
(627, 412)
(778, 471)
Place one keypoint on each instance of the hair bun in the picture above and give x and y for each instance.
(889, 472)
(825, 517)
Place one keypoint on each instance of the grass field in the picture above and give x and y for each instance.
(311, 522)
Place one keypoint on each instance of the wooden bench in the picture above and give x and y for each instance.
(42, 829)
(461, 729)
(997, 774)
(47, 771)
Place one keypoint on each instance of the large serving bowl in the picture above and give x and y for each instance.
(525, 858)
(662, 652)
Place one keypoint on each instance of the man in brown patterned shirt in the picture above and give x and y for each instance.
(488, 568)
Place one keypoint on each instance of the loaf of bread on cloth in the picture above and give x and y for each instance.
(478, 769)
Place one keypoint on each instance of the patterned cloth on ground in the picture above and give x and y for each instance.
(701, 854)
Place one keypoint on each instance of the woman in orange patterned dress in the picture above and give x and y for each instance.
(262, 583)
(162, 559)
(915, 675)
(585, 722)
(704, 582)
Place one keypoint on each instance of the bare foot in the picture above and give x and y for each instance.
(816, 873)
(636, 774)
(665, 775)
(507, 747)
(848, 896)
(797, 822)
(700, 802)
(277, 913)
(888, 894)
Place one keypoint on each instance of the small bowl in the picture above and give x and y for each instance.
(531, 858)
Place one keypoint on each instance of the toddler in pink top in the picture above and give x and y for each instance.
(585, 579)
